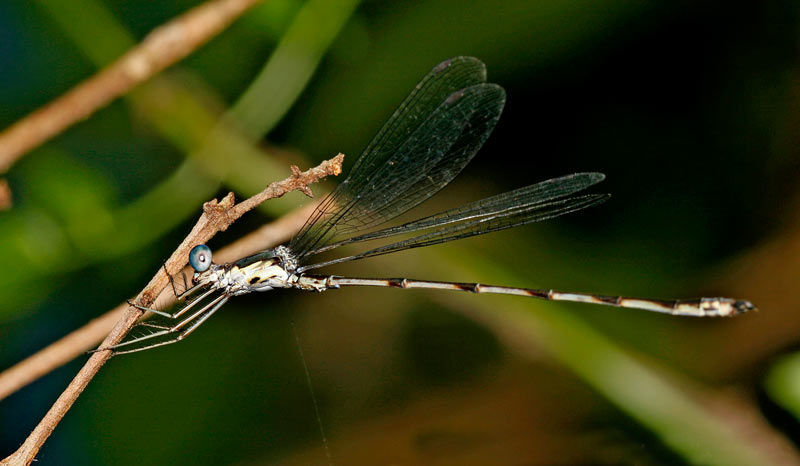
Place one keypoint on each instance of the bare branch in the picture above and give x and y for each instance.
(163, 47)
(58, 353)
(5, 195)
(217, 216)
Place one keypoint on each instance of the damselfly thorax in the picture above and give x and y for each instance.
(273, 268)
(259, 272)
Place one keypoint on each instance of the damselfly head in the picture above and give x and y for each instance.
(205, 270)
(200, 258)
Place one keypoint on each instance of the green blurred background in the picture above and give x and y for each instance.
(690, 109)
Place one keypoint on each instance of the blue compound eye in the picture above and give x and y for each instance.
(200, 258)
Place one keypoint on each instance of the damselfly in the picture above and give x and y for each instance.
(426, 142)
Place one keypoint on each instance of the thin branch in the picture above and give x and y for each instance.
(217, 216)
(58, 353)
(163, 47)
(5, 195)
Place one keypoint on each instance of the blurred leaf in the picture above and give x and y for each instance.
(92, 27)
(273, 17)
(34, 243)
(783, 383)
(291, 66)
(74, 194)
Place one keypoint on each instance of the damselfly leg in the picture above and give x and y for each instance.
(184, 295)
(165, 335)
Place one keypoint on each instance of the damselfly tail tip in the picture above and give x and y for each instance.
(724, 307)
(741, 306)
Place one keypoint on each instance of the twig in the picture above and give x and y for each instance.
(77, 342)
(164, 46)
(5, 195)
(217, 216)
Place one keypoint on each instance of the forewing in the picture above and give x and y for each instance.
(420, 149)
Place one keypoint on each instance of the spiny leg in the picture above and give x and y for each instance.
(180, 336)
(181, 311)
(152, 325)
(174, 331)
(148, 309)
(187, 291)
